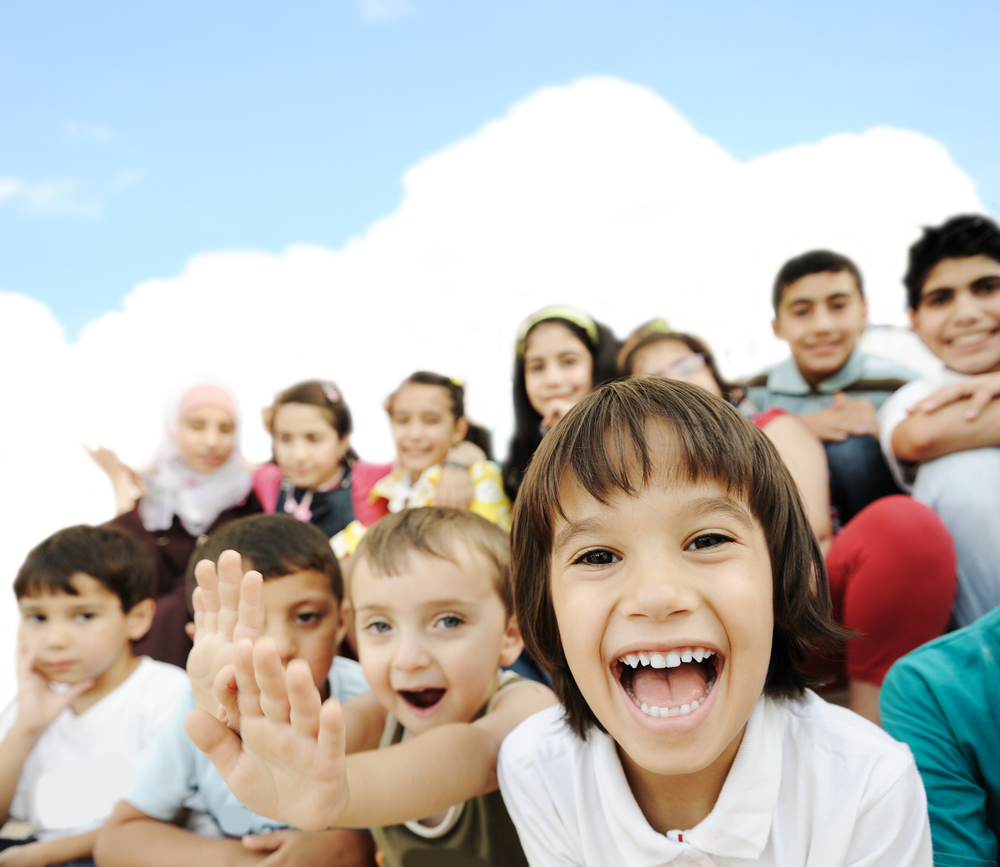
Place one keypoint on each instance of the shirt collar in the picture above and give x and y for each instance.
(786, 378)
(740, 823)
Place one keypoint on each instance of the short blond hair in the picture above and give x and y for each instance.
(434, 531)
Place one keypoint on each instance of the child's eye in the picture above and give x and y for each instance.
(284, 438)
(378, 627)
(84, 616)
(986, 288)
(450, 621)
(308, 618)
(937, 299)
(596, 557)
(708, 540)
(34, 618)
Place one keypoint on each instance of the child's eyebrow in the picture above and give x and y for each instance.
(699, 508)
(706, 506)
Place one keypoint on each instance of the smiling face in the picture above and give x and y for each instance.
(672, 359)
(206, 438)
(558, 367)
(641, 587)
(423, 426)
(306, 446)
(73, 638)
(959, 314)
(431, 639)
(821, 316)
(302, 615)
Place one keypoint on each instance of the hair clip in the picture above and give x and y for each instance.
(330, 390)
(457, 382)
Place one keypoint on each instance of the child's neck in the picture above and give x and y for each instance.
(110, 679)
(678, 802)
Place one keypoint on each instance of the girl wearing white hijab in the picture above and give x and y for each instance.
(198, 481)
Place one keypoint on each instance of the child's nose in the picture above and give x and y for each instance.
(56, 634)
(966, 307)
(659, 590)
(284, 641)
(411, 655)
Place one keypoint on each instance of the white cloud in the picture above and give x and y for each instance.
(597, 193)
(58, 197)
(383, 10)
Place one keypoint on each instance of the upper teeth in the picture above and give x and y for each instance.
(969, 338)
(670, 659)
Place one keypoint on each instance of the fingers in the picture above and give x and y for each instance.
(270, 677)
(332, 734)
(207, 595)
(266, 842)
(250, 611)
(230, 575)
(303, 698)
(227, 695)
(978, 401)
(246, 680)
(215, 740)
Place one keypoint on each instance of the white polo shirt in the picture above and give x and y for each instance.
(813, 785)
(894, 410)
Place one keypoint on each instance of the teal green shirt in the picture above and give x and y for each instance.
(862, 375)
(943, 700)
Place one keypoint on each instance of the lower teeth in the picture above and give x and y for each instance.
(670, 711)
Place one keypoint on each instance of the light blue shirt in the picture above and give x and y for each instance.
(862, 375)
(176, 774)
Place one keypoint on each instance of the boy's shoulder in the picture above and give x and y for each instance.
(815, 726)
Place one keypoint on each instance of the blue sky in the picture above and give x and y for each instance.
(133, 136)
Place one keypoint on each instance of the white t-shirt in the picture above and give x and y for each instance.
(81, 765)
(894, 410)
(813, 785)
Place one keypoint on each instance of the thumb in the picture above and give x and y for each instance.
(215, 739)
(265, 842)
(78, 689)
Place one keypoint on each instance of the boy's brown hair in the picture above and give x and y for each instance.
(274, 545)
(106, 554)
(434, 531)
(603, 445)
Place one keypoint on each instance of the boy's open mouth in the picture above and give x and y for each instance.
(669, 683)
(422, 698)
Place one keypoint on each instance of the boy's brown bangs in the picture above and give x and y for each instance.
(611, 447)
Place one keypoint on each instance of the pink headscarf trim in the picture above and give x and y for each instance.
(207, 394)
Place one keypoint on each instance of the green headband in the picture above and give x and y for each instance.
(559, 311)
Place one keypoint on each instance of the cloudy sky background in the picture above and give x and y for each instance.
(356, 190)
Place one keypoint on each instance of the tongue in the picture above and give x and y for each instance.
(669, 687)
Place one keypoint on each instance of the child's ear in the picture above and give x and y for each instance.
(267, 416)
(776, 328)
(139, 619)
(461, 429)
(512, 644)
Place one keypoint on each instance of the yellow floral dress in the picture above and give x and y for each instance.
(488, 499)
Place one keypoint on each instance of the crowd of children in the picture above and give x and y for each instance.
(680, 646)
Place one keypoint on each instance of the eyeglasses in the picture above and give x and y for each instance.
(686, 366)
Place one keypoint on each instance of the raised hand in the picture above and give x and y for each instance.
(38, 705)
(290, 764)
(228, 607)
